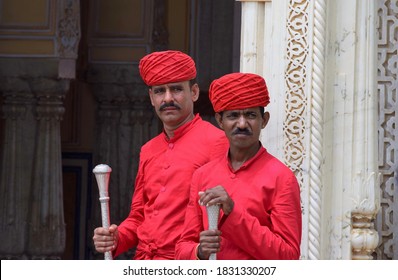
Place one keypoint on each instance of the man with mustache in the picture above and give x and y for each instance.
(166, 161)
(259, 196)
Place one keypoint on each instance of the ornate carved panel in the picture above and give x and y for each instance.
(296, 99)
(296, 78)
(387, 220)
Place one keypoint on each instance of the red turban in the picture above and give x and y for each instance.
(159, 68)
(238, 91)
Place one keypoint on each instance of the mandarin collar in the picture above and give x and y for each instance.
(182, 130)
(248, 162)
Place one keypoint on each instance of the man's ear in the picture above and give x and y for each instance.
(195, 92)
(151, 96)
(265, 119)
(219, 120)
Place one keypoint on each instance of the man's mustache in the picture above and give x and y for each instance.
(167, 105)
(244, 131)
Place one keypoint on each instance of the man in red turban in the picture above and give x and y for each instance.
(167, 161)
(160, 68)
(237, 91)
(259, 196)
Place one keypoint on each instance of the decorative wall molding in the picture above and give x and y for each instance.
(68, 29)
(316, 129)
(387, 78)
(296, 121)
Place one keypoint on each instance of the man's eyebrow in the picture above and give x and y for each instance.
(176, 85)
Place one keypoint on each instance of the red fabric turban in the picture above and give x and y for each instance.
(159, 68)
(238, 91)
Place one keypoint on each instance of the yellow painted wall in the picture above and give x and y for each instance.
(27, 28)
(178, 24)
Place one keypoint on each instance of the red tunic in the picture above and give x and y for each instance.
(162, 188)
(265, 222)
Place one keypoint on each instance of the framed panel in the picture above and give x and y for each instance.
(77, 183)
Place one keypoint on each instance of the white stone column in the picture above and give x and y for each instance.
(319, 60)
(265, 56)
(16, 165)
(365, 184)
(351, 159)
(46, 229)
(125, 120)
(34, 87)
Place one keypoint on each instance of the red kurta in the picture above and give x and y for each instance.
(265, 222)
(162, 188)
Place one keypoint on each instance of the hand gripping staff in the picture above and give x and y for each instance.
(213, 212)
(102, 173)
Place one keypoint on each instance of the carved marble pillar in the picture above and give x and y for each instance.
(15, 166)
(108, 134)
(351, 132)
(46, 229)
(320, 69)
(125, 121)
(365, 181)
(106, 151)
(143, 123)
(32, 224)
(33, 86)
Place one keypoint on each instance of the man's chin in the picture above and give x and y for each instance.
(169, 118)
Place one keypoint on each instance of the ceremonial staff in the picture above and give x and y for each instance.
(102, 174)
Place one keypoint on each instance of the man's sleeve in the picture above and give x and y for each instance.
(219, 147)
(189, 240)
(262, 242)
(128, 228)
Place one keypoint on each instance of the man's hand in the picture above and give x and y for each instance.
(105, 240)
(209, 243)
(217, 195)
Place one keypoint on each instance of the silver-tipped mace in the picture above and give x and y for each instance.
(102, 174)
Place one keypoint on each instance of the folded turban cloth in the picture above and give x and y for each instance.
(238, 91)
(159, 68)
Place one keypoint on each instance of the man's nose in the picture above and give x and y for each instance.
(242, 123)
(168, 96)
